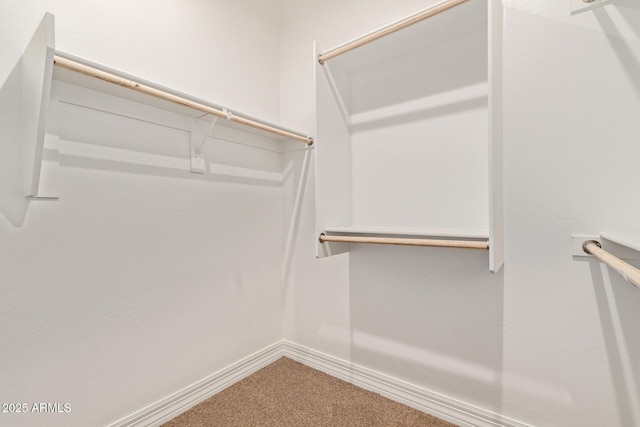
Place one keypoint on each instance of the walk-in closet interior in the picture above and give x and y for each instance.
(434, 200)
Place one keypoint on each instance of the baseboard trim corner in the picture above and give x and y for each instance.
(165, 409)
(445, 408)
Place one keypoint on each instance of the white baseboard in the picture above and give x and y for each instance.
(443, 407)
(162, 411)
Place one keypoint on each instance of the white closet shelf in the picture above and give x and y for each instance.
(445, 233)
(38, 71)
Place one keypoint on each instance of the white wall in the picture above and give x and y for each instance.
(142, 278)
(550, 340)
(572, 102)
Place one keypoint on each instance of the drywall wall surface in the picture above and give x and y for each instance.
(551, 340)
(142, 278)
(572, 98)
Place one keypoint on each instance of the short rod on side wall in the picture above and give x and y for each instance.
(157, 93)
(421, 16)
(468, 244)
(629, 272)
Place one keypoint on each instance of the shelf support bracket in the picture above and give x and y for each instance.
(201, 131)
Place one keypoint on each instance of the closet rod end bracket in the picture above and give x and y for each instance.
(579, 243)
(589, 242)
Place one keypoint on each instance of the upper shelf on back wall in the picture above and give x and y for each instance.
(388, 73)
(38, 71)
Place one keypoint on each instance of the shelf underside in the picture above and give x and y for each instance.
(423, 233)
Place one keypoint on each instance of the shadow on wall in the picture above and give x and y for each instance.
(294, 222)
(618, 303)
(629, 61)
(461, 52)
(13, 204)
(627, 3)
(430, 316)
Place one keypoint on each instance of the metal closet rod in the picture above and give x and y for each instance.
(468, 244)
(629, 272)
(157, 93)
(421, 16)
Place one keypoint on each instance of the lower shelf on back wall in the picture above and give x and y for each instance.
(470, 239)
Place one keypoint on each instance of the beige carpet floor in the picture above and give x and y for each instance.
(288, 393)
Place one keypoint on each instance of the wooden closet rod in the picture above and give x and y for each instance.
(469, 244)
(157, 93)
(420, 16)
(629, 272)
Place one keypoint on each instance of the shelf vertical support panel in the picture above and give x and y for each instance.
(496, 196)
(332, 163)
(37, 73)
